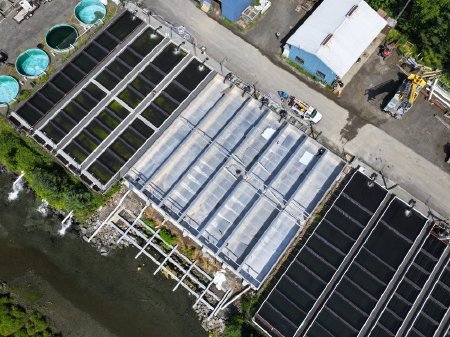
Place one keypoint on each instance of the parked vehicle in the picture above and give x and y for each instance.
(26, 10)
(405, 96)
(297, 106)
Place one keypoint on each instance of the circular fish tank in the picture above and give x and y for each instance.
(89, 12)
(61, 37)
(32, 62)
(9, 89)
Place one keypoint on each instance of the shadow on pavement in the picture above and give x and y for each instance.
(447, 151)
(389, 87)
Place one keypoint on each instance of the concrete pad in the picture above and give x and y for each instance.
(404, 166)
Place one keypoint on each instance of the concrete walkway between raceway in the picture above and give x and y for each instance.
(417, 175)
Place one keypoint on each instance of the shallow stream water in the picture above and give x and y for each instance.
(108, 292)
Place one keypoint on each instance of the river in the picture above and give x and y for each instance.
(84, 293)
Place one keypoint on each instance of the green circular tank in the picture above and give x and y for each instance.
(61, 37)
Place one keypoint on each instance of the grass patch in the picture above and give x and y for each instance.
(167, 236)
(24, 94)
(189, 252)
(150, 223)
(304, 72)
(47, 178)
(230, 24)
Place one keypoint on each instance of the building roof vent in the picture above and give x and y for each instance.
(326, 39)
(352, 10)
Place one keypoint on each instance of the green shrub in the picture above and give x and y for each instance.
(426, 25)
(9, 325)
(47, 178)
(149, 222)
(18, 322)
(189, 252)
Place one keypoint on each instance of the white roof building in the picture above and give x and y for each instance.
(338, 32)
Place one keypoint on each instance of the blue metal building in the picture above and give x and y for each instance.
(232, 9)
(332, 39)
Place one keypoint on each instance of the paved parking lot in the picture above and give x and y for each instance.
(281, 17)
(366, 94)
(16, 38)
(371, 144)
(371, 89)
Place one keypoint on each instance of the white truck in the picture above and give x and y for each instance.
(304, 110)
(26, 10)
(307, 112)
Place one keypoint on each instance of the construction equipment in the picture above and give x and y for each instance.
(406, 94)
(387, 50)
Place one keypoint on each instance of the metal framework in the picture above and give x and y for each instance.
(170, 260)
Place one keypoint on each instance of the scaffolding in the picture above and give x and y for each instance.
(168, 259)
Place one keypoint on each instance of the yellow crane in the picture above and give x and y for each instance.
(406, 94)
(417, 84)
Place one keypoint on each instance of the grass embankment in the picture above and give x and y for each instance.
(304, 72)
(164, 233)
(47, 178)
(18, 322)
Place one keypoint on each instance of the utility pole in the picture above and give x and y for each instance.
(402, 10)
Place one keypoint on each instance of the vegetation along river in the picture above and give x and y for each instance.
(82, 292)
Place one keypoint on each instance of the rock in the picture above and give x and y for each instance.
(85, 238)
(83, 230)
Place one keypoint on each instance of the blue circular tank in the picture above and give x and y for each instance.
(32, 62)
(88, 12)
(9, 88)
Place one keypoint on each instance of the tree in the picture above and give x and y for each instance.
(426, 24)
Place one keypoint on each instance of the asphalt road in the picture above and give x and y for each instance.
(372, 145)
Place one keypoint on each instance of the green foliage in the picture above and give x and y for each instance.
(167, 236)
(9, 325)
(446, 79)
(189, 252)
(149, 222)
(239, 324)
(44, 77)
(427, 25)
(24, 94)
(231, 25)
(48, 179)
(233, 327)
(18, 322)
(304, 72)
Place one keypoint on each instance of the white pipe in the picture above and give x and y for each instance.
(236, 297)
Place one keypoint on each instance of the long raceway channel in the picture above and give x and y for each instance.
(371, 145)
